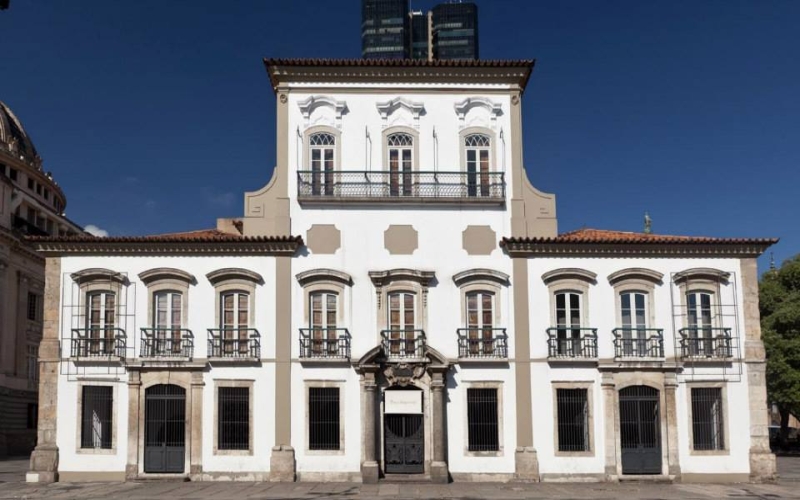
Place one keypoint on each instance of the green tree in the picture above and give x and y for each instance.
(779, 303)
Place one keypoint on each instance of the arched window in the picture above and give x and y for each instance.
(322, 147)
(400, 146)
(477, 148)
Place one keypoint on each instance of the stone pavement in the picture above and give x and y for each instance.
(12, 486)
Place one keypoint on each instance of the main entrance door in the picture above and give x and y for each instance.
(404, 444)
(164, 429)
(640, 430)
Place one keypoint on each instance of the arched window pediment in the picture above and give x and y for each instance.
(495, 109)
(480, 274)
(99, 274)
(234, 273)
(317, 275)
(313, 102)
(387, 108)
(381, 278)
(166, 273)
(637, 273)
(570, 273)
(702, 273)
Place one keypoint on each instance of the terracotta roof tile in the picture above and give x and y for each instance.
(414, 63)
(199, 236)
(594, 236)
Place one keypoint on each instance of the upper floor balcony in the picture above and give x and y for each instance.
(325, 344)
(166, 343)
(707, 344)
(572, 343)
(102, 342)
(409, 187)
(636, 343)
(482, 344)
(399, 344)
(234, 344)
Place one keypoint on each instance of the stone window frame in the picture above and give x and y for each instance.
(240, 383)
(395, 129)
(635, 279)
(701, 279)
(462, 148)
(402, 280)
(324, 384)
(165, 279)
(574, 280)
(589, 386)
(114, 418)
(324, 280)
(481, 280)
(233, 279)
(101, 280)
(485, 384)
(337, 147)
(726, 450)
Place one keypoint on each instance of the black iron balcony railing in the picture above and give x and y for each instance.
(234, 343)
(482, 343)
(98, 342)
(707, 342)
(487, 187)
(167, 343)
(27, 227)
(638, 342)
(566, 342)
(325, 343)
(403, 343)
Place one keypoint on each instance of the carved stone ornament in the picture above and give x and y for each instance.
(402, 374)
(515, 100)
(283, 98)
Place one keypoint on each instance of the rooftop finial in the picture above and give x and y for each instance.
(772, 261)
(648, 223)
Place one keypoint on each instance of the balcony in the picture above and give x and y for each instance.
(482, 343)
(27, 228)
(314, 187)
(568, 343)
(638, 343)
(167, 343)
(325, 344)
(98, 343)
(403, 344)
(706, 343)
(242, 344)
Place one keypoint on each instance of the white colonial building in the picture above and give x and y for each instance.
(397, 301)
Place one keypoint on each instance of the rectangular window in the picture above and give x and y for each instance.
(233, 417)
(33, 306)
(707, 423)
(573, 419)
(482, 421)
(33, 415)
(33, 362)
(30, 183)
(96, 417)
(13, 174)
(323, 323)
(235, 322)
(323, 418)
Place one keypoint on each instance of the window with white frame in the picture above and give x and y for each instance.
(324, 335)
(572, 407)
(96, 416)
(708, 429)
(700, 322)
(568, 323)
(482, 420)
(233, 418)
(633, 313)
(235, 321)
(324, 425)
(477, 149)
(101, 315)
(402, 322)
(400, 147)
(167, 316)
(480, 322)
(322, 148)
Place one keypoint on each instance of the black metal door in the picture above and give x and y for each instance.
(404, 444)
(640, 430)
(164, 429)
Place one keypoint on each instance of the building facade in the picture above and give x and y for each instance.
(397, 301)
(384, 29)
(454, 31)
(31, 203)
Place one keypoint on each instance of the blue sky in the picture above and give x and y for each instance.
(687, 109)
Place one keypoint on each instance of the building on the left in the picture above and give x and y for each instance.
(31, 203)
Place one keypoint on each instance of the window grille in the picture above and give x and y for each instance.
(400, 139)
(707, 423)
(96, 418)
(233, 418)
(573, 419)
(477, 140)
(323, 418)
(482, 420)
(321, 139)
(33, 306)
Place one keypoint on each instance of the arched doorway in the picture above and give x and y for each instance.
(164, 429)
(640, 430)
(403, 431)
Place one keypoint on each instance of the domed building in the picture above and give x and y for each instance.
(31, 203)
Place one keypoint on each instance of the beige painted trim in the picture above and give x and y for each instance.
(98, 274)
(702, 273)
(478, 240)
(234, 286)
(498, 386)
(234, 273)
(480, 275)
(337, 149)
(635, 285)
(323, 239)
(701, 284)
(168, 285)
(166, 274)
(636, 273)
(522, 351)
(462, 135)
(332, 384)
(283, 354)
(578, 286)
(220, 383)
(414, 133)
(589, 386)
(401, 239)
(323, 275)
(486, 286)
(329, 286)
(91, 476)
(402, 280)
(569, 273)
(726, 450)
(114, 420)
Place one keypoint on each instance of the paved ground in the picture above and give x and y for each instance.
(12, 486)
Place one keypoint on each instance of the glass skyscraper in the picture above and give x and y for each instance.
(455, 31)
(384, 29)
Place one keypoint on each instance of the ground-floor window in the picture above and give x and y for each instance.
(707, 423)
(323, 418)
(96, 419)
(482, 420)
(233, 418)
(573, 419)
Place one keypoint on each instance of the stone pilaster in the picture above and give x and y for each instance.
(673, 459)
(762, 461)
(369, 466)
(439, 472)
(282, 461)
(44, 459)
(609, 425)
(196, 450)
(134, 419)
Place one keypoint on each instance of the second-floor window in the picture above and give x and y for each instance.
(324, 307)
(235, 319)
(480, 322)
(477, 148)
(167, 311)
(322, 146)
(568, 322)
(633, 313)
(401, 151)
(401, 322)
(101, 321)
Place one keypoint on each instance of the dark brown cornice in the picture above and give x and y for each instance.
(727, 247)
(233, 245)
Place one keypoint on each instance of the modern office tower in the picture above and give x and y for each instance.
(419, 35)
(384, 29)
(455, 31)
